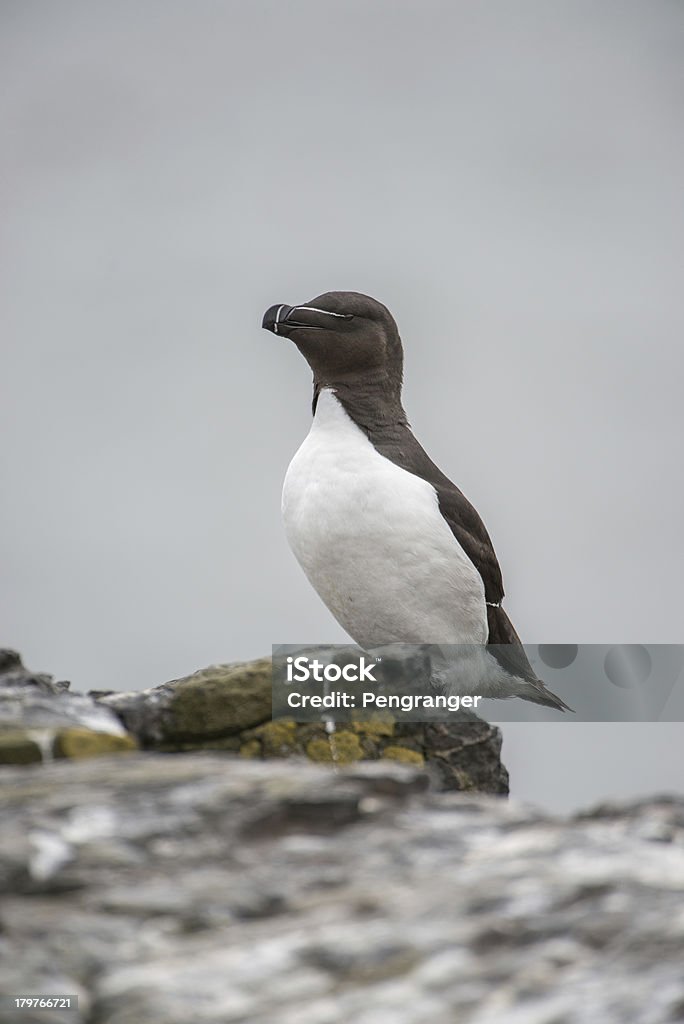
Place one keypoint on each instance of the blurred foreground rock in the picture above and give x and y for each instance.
(165, 889)
(228, 708)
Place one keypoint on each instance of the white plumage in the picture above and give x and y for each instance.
(370, 538)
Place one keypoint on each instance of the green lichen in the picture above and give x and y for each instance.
(19, 747)
(79, 743)
(278, 738)
(463, 779)
(252, 748)
(403, 754)
(379, 724)
(341, 747)
(220, 700)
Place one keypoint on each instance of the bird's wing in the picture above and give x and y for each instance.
(470, 532)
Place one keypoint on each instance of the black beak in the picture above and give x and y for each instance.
(275, 315)
(280, 319)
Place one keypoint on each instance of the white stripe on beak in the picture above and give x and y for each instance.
(276, 321)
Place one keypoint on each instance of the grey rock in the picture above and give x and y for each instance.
(229, 707)
(14, 674)
(216, 889)
(211, 704)
(34, 700)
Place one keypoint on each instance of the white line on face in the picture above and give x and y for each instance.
(278, 311)
(327, 312)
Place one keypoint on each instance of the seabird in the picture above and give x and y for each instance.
(391, 545)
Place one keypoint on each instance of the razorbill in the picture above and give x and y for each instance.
(390, 544)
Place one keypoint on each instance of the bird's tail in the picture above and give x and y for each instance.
(508, 650)
(539, 693)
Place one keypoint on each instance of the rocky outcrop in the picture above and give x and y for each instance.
(208, 709)
(228, 708)
(40, 719)
(164, 889)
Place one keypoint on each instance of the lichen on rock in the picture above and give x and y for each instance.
(404, 754)
(78, 743)
(340, 747)
(227, 708)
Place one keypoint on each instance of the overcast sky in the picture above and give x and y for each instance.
(507, 178)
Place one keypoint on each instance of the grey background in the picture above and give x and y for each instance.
(505, 177)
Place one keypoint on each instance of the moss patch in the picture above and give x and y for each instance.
(220, 700)
(403, 754)
(78, 743)
(342, 748)
(18, 747)
(278, 738)
(377, 725)
(252, 748)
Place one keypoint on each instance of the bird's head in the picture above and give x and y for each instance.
(347, 338)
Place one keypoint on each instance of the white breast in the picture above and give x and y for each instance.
(371, 540)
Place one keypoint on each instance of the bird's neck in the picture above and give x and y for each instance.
(372, 402)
